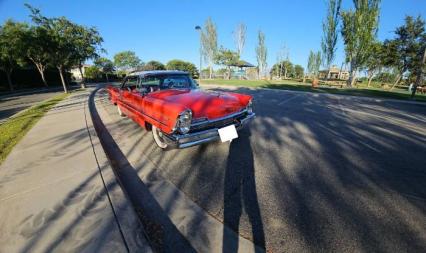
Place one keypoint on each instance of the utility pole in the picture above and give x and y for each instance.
(198, 28)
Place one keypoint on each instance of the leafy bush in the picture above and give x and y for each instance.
(184, 66)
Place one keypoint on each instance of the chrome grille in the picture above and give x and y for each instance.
(200, 126)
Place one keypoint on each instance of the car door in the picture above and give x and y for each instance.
(149, 84)
(138, 95)
(127, 90)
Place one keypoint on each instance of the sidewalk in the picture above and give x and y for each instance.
(52, 194)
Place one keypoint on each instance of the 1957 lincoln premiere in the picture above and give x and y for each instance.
(179, 113)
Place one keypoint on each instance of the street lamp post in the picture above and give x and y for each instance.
(198, 28)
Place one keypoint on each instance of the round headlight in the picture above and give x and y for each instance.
(250, 107)
(183, 123)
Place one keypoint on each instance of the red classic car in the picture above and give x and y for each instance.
(179, 113)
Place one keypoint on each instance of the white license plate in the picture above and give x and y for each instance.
(228, 133)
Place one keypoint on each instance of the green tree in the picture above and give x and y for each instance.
(69, 43)
(283, 68)
(126, 60)
(154, 65)
(86, 43)
(374, 61)
(12, 47)
(299, 71)
(38, 42)
(288, 69)
(314, 63)
(105, 65)
(330, 32)
(405, 51)
(209, 44)
(240, 38)
(419, 70)
(93, 72)
(359, 29)
(227, 58)
(261, 54)
(183, 66)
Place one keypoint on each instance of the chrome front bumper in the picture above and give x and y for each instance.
(196, 138)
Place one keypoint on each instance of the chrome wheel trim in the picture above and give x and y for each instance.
(120, 112)
(158, 137)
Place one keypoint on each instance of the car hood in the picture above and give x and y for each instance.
(203, 104)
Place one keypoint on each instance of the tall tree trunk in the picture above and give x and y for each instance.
(106, 75)
(352, 76)
(229, 73)
(304, 78)
(41, 71)
(210, 71)
(353, 81)
(43, 78)
(83, 81)
(340, 72)
(9, 79)
(40, 67)
(419, 77)
(328, 74)
(61, 74)
(398, 78)
(370, 77)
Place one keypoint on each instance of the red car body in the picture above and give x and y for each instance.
(151, 105)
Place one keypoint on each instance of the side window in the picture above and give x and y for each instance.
(176, 82)
(150, 81)
(130, 82)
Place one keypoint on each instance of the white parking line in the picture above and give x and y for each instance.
(288, 99)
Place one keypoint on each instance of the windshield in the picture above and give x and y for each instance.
(168, 82)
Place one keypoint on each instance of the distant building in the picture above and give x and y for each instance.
(334, 73)
(75, 72)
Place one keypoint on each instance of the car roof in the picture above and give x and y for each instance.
(158, 72)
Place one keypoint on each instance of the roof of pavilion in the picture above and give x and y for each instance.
(243, 64)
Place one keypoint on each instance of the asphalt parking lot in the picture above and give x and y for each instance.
(312, 173)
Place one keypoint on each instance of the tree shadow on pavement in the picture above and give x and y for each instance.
(240, 193)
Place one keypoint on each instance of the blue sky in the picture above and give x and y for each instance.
(164, 30)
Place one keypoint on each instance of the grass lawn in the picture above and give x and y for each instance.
(12, 131)
(298, 86)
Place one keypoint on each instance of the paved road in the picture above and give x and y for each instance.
(12, 104)
(313, 173)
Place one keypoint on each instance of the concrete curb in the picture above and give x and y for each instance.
(159, 230)
(373, 99)
(130, 227)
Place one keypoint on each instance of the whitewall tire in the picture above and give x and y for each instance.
(120, 112)
(159, 138)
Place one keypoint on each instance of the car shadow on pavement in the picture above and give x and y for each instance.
(240, 193)
(160, 230)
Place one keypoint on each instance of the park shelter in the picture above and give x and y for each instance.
(241, 72)
(334, 73)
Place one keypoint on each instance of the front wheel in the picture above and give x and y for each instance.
(120, 112)
(159, 137)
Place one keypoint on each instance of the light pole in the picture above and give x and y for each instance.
(198, 28)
